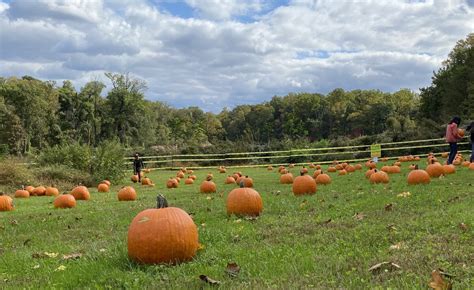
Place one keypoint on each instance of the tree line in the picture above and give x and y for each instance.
(37, 114)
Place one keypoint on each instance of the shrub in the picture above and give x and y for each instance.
(108, 162)
(13, 175)
(71, 155)
(62, 176)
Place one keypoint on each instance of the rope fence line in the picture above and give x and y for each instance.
(226, 157)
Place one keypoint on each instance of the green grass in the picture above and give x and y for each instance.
(289, 246)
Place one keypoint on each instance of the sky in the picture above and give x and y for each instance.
(222, 53)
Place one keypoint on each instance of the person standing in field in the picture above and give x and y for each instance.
(470, 128)
(137, 166)
(452, 137)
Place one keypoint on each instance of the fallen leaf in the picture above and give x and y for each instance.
(201, 247)
(203, 224)
(51, 255)
(209, 197)
(26, 242)
(437, 282)
(463, 227)
(36, 266)
(60, 268)
(238, 221)
(251, 218)
(44, 255)
(359, 216)
(404, 194)
(209, 280)
(232, 269)
(14, 222)
(388, 207)
(391, 227)
(303, 204)
(102, 250)
(72, 256)
(397, 246)
(221, 194)
(385, 266)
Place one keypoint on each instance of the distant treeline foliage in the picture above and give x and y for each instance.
(37, 114)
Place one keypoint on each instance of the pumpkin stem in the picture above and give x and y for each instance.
(161, 201)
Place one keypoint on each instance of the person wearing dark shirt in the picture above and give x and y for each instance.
(470, 129)
(137, 166)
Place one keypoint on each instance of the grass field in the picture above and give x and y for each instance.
(292, 245)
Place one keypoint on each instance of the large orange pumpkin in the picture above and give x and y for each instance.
(207, 186)
(64, 201)
(103, 187)
(244, 201)
(435, 169)
(323, 178)
(39, 191)
(51, 191)
(418, 176)
(81, 193)
(127, 193)
(21, 193)
(286, 178)
(6, 203)
(163, 235)
(304, 184)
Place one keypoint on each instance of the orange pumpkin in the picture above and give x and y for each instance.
(332, 169)
(180, 174)
(164, 235)
(229, 180)
(39, 191)
(350, 168)
(134, 178)
(379, 177)
(304, 184)
(81, 193)
(244, 202)
(248, 182)
(207, 186)
(284, 171)
(193, 177)
(65, 201)
(6, 203)
(51, 191)
(21, 193)
(445, 154)
(449, 169)
(435, 169)
(127, 193)
(286, 178)
(103, 187)
(317, 172)
(304, 170)
(106, 182)
(369, 172)
(270, 168)
(30, 189)
(471, 166)
(418, 176)
(342, 172)
(323, 178)
(222, 170)
(172, 183)
(147, 181)
(466, 163)
(461, 132)
(358, 166)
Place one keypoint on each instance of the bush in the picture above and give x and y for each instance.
(71, 155)
(13, 175)
(62, 176)
(108, 162)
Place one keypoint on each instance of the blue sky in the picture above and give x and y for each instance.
(222, 53)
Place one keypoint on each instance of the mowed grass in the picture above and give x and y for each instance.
(292, 244)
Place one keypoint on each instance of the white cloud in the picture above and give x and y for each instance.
(216, 60)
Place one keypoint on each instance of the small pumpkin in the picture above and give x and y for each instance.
(247, 182)
(230, 180)
(317, 172)
(461, 133)
(172, 183)
(39, 191)
(332, 169)
(127, 193)
(304, 184)
(435, 169)
(369, 172)
(244, 201)
(449, 169)
(323, 179)
(21, 193)
(270, 168)
(6, 202)
(189, 180)
(81, 193)
(444, 155)
(194, 177)
(30, 189)
(65, 201)
(106, 182)
(103, 187)
(189, 171)
(284, 171)
(304, 170)
(207, 186)
(147, 181)
(358, 166)
(222, 170)
(51, 191)
(134, 178)
(180, 174)
(164, 235)
(342, 172)
(471, 166)
(286, 178)
(418, 176)
(379, 177)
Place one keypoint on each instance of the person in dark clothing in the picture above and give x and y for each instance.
(470, 129)
(452, 137)
(137, 166)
